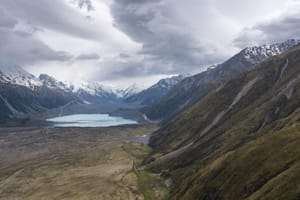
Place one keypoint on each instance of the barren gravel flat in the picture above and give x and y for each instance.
(68, 163)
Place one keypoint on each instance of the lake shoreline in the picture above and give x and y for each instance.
(89, 120)
(39, 120)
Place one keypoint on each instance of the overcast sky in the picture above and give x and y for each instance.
(120, 42)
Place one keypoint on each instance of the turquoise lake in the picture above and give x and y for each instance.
(89, 120)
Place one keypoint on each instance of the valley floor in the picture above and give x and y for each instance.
(72, 163)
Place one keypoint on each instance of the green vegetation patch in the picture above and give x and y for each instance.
(151, 185)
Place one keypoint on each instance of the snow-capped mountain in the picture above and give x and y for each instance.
(128, 92)
(168, 83)
(151, 95)
(93, 88)
(87, 91)
(21, 93)
(94, 92)
(257, 53)
(50, 82)
(14, 74)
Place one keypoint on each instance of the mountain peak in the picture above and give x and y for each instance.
(269, 50)
(16, 75)
(128, 92)
(51, 82)
(170, 82)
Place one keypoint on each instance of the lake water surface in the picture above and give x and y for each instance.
(89, 120)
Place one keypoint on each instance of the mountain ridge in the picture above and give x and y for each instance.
(154, 93)
(194, 88)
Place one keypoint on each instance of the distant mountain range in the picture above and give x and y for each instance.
(22, 93)
(194, 88)
(15, 75)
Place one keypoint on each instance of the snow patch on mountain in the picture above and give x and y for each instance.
(128, 92)
(267, 51)
(93, 88)
(16, 75)
(169, 83)
(51, 82)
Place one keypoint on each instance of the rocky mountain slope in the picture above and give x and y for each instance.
(240, 142)
(154, 93)
(17, 101)
(21, 93)
(51, 82)
(196, 87)
(127, 92)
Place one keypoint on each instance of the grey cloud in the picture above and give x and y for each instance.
(166, 43)
(6, 20)
(174, 35)
(181, 51)
(115, 70)
(92, 56)
(24, 49)
(133, 16)
(18, 45)
(124, 55)
(54, 15)
(286, 27)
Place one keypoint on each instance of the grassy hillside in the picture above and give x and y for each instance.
(265, 168)
(242, 141)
